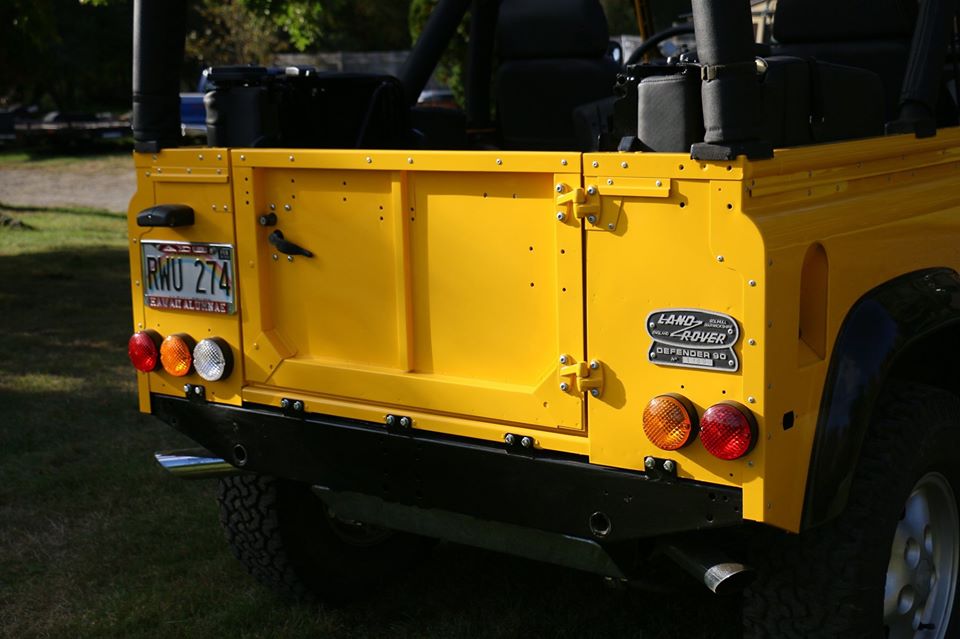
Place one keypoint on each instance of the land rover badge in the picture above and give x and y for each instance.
(693, 338)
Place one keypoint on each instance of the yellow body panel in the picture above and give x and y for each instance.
(447, 285)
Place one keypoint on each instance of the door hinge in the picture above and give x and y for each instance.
(581, 203)
(582, 377)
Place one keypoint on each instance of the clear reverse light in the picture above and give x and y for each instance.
(212, 359)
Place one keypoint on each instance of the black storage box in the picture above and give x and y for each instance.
(298, 107)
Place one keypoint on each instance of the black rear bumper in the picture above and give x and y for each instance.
(539, 490)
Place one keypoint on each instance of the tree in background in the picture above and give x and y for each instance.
(232, 32)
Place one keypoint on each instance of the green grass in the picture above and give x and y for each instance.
(52, 157)
(96, 541)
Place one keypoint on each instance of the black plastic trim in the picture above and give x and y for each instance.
(880, 328)
(166, 215)
(546, 491)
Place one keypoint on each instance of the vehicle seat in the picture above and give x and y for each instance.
(553, 59)
(868, 34)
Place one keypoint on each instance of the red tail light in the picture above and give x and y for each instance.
(728, 430)
(144, 350)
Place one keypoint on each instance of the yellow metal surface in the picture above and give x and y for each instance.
(464, 288)
(444, 292)
(200, 179)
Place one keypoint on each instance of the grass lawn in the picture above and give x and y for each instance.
(96, 541)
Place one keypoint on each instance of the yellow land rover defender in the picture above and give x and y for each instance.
(702, 307)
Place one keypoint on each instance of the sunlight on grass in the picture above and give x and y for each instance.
(53, 229)
(40, 382)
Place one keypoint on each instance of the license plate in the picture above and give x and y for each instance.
(188, 276)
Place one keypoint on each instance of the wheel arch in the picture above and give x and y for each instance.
(905, 329)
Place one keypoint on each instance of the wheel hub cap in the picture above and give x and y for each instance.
(922, 572)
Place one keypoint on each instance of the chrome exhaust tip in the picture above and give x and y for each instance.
(194, 463)
(716, 571)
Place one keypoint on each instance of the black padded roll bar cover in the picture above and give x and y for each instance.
(159, 31)
(928, 52)
(732, 100)
(431, 44)
(724, 31)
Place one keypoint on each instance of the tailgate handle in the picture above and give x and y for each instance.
(286, 246)
(166, 215)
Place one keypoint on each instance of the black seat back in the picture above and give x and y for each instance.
(553, 59)
(867, 34)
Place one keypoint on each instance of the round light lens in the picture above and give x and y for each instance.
(669, 422)
(728, 430)
(143, 351)
(176, 355)
(212, 359)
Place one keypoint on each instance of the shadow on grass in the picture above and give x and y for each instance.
(91, 212)
(96, 542)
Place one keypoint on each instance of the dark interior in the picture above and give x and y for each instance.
(837, 70)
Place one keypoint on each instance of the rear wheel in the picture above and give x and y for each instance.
(887, 567)
(289, 541)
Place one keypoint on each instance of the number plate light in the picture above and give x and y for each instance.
(212, 359)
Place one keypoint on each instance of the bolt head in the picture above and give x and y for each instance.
(561, 216)
(409, 160)
(499, 161)
(291, 158)
(558, 188)
(596, 164)
(659, 183)
(720, 258)
(752, 342)
(594, 364)
(284, 403)
(563, 359)
(509, 439)
(669, 465)
(649, 463)
(611, 226)
(563, 162)
(405, 422)
(287, 207)
(609, 181)
(186, 388)
(298, 405)
(275, 257)
(624, 165)
(273, 207)
(595, 392)
(731, 363)
(369, 160)
(527, 442)
(592, 219)
(197, 390)
(243, 158)
(564, 386)
(389, 420)
(752, 282)
(591, 190)
(289, 258)
(751, 400)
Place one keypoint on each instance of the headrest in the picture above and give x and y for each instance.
(552, 29)
(843, 20)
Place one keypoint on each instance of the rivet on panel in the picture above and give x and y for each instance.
(609, 182)
(289, 258)
(243, 158)
(219, 171)
(624, 165)
(213, 207)
(499, 161)
(154, 157)
(409, 160)
(752, 282)
(659, 182)
(287, 207)
(148, 173)
(592, 219)
(561, 216)
(219, 156)
(189, 170)
(611, 226)
(275, 257)
(159, 170)
(751, 400)
(292, 159)
(369, 160)
(596, 164)
(200, 156)
(720, 258)
(273, 207)
(752, 342)
(225, 208)
(563, 162)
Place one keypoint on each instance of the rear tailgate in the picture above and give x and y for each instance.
(443, 289)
